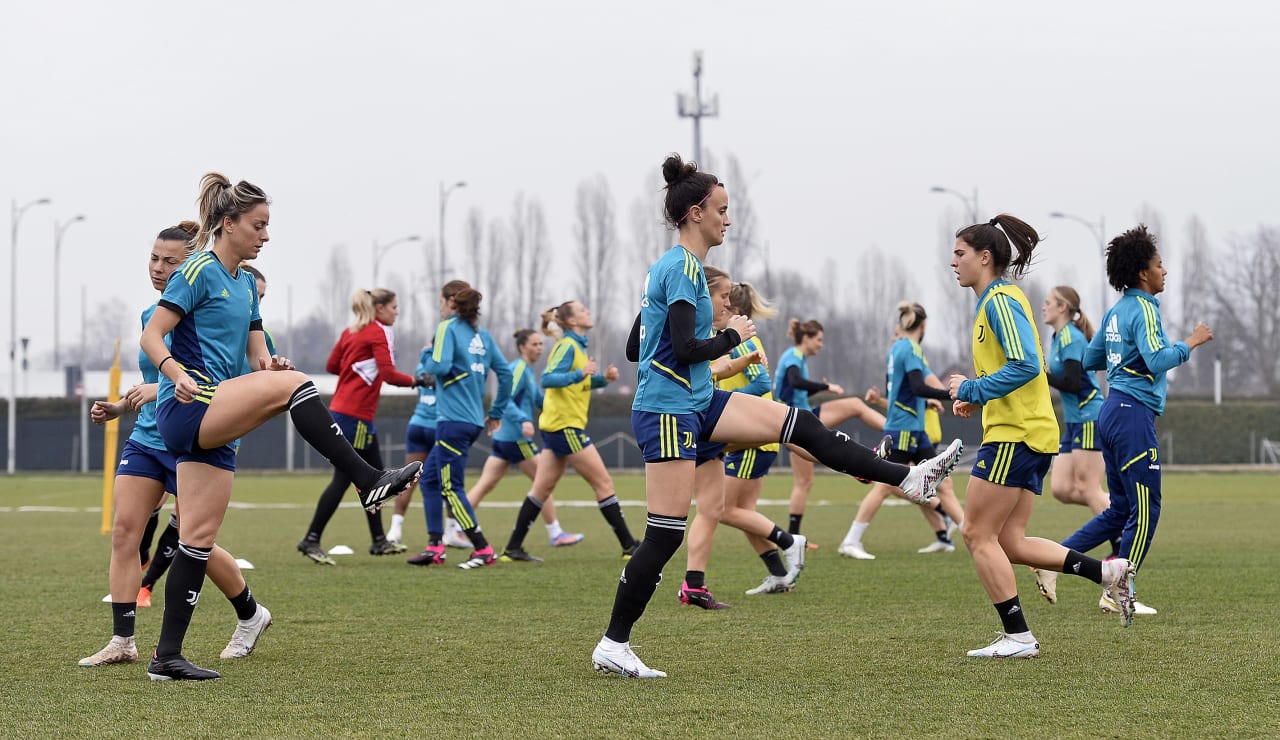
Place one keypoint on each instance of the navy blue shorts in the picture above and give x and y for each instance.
(359, 433)
(910, 446)
(567, 441)
(708, 451)
(664, 437)
(179, 425)
(147, 462)
(514, 452)
(749, 464)
(1012, 464)
(1079, 437)
(418, 439)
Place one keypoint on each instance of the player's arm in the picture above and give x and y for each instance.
(1022, 361)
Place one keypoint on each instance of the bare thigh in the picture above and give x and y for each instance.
(243, 404)
(589, 465)
(206, 491)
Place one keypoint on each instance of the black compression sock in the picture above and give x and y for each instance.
(773, 561)
(695, 578)
(327, 506)
(529, 511)
(181, 594)
(166, 548)
(1082, 565)
(643, 573)
(784, 539)
(244, 604)
(837, 451)
(793, 526)
(612, 512)
(144, 547)
(1011, 616)
(124, 615)
(317, 427)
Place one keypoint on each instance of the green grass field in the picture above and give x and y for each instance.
(375, 647)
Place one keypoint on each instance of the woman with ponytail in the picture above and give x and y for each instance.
(363, 358)
(1019, 433)
(677, 408)
(210, 309)
(570, 377)
(513, 443)
(911, 391)
(793, 387)
(727, 491)
(145, 476)
(462, 356)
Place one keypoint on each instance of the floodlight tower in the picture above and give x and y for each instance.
(693, 106)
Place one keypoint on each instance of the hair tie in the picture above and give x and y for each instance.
(994, 222)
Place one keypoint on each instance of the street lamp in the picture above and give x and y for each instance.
(378, 251)
(58, 231)
(15, 218)
(444, 199)
(1099, 231)
(970, 203)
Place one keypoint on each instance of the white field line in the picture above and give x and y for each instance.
(415, 505)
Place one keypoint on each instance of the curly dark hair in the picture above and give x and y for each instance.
(1129, 254)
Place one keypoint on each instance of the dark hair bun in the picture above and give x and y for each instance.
(191, 227)
(675, 169)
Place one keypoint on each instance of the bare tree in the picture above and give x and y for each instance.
(650, 236)
(595, 230)
(1197, 304)
(528, 243)
(110, 321)
(951, 316)
(743, 254)
(1248, 316)
(336, 287)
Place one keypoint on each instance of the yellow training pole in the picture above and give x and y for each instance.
(109, 443)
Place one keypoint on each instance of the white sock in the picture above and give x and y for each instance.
(608, 644)
(1023, 636)
(554, 530)
(854, 537)
(397, 521)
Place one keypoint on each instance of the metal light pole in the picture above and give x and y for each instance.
(970, 203)
(692, 106)
(58, 230)
(1099, 231)
(379, 250)
(444, 199)
(15, 218)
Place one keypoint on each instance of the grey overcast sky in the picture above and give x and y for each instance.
(844, 113)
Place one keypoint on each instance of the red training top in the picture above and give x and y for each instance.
(363, 361)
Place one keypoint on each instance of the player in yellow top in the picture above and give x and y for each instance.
(570, 377)
(1019, 433)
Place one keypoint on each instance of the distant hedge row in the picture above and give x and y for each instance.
(1190, 431)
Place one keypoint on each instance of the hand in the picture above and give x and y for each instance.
(184, 389)
(962, 409)
(103, 411)
(873, 395)
(424, 380)
(491, 426)
(835, 388)
(589, 368)
(745, 327)
(953, 384)
(526, 430)
(278, 363)
(611, 374)
(935, 404)
(756, 357)
(1200, 335)
(141, 394)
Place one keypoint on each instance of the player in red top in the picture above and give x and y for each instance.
(363, 359)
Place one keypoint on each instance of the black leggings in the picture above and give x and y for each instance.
(337, 488)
